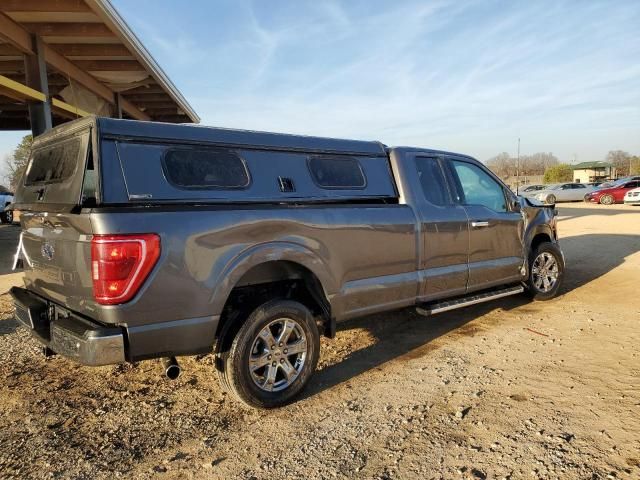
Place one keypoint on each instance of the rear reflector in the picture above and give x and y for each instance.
(120, 264)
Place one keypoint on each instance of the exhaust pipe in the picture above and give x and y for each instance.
(171, 368)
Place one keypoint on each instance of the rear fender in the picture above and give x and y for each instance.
(269, 252)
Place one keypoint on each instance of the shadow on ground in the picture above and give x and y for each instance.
(405, 334)
(9, 235)
(8, 326)
(567, 212)
(590, 256)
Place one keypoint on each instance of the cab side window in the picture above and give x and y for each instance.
(478, 187)
(432, 181)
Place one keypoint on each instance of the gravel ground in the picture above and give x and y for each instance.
(509, 389)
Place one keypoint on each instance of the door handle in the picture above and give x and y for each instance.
(480, 224)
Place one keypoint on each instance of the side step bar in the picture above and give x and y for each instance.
(433, 308)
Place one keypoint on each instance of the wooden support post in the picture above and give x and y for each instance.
(118, 109)
(36, 78)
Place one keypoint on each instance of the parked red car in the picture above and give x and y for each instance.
(613, 194)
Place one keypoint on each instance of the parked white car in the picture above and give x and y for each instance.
(562, 192)
(632, 197)
(6, 199)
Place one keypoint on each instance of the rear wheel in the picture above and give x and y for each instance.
(546, 271)
(607, 200)
(6, 217)
(273, 355)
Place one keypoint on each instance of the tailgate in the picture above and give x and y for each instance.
(56, 252)
(55, 240)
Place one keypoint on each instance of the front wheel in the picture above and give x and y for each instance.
(546, 271)
(551, 199)
(273, 355)
(607, 200)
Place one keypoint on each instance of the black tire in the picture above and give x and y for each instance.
(551, 199)
(607, 200)
(6, 217)
(234, 363)
(533, 290)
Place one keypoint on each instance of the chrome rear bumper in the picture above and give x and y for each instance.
(66, 333)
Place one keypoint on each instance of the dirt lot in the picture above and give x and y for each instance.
(509, 389)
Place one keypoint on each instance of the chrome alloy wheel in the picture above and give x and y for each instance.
(544, 272)
(277, 355)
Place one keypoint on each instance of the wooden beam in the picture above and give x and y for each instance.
(19, 91)
(8, 50)
(132, 110)
(63, 108)
(145, 90)
(15, 34)
(69, 29)
(158, 112)
(11, 66)
(151, 98)
(44, 6)
(91, 50)
(68, 69)
(109, 65)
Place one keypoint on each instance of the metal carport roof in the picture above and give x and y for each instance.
(76, 57)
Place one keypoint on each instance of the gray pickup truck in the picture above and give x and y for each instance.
(145, 240)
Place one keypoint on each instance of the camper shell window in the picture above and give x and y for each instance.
(205, 168)
(53, 164)
(337, 172)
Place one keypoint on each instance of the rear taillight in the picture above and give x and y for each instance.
(120, 264)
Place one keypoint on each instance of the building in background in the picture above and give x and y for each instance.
(586, 172)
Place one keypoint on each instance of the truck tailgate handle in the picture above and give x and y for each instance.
(480, 224)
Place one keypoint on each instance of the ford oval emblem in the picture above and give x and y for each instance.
(47, 251)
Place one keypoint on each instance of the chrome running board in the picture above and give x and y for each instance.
(444, 306)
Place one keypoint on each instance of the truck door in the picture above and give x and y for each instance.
(496, 227)
(444, 231)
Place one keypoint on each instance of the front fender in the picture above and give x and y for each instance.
(270, 252)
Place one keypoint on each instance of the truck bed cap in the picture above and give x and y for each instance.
(232, 137)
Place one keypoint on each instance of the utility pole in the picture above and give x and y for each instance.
(518, 167)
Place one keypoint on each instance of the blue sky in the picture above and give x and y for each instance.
(462, 76)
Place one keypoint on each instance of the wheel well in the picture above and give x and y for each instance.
(267, 281)
(538, 239)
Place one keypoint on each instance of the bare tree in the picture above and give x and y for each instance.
(16, 162)
(502, 165)
(537, 163)
(621, 160)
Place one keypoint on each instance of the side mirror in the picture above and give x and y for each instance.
(515, 205)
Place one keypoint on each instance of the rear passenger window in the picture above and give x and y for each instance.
(337, 172)
(53, 164)
(204, 168)
(432, 180)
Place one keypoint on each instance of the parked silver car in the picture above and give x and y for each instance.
(562, 192)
